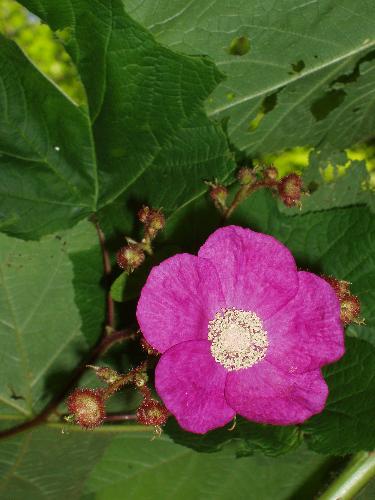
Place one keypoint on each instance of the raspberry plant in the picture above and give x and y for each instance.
(173, 111)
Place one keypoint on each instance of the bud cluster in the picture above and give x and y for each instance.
(350, 305)
(153, 221)
(289, 187)
(132, 255)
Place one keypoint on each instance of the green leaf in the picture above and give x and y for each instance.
(137, 468)
(40, 324)
(47, 463)
(49, 178)
(247, 437)
(82, 244)
(337, 242)
(347, 423)
(350, 187)
(144, 133)
(305, 78)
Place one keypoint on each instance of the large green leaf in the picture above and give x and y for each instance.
(45, 463)
(303, 80)
(347, 423)
(40, 323)
(145, 131)
(135, 468)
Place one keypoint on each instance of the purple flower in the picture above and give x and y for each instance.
(240, 330)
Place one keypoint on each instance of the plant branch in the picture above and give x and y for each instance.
(244, 192)
(359, 471)
(107, 272)
(120, 417)
(103, 345)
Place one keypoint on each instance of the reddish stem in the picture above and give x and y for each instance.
(107, 272)
(120, 417)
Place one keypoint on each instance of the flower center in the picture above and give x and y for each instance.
(238, 338)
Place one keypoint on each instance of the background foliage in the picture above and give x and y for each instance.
(107, 105)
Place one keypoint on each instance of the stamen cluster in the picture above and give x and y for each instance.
(238, 339)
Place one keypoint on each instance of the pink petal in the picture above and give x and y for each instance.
(191, 385)
(307, 333)
(265, 394)
(256, 271)
(180, 297)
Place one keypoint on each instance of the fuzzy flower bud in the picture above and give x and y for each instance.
(350, 309)
(148, 348)
(271, 173)
(290, 190)
(130, 257)
(153, 220)
(219, 195)
(140, 379)
(87, 407)
(341, 287)
(155, 224)
(152, 412)
(105, 373)
(143, 214)
(245, 176)
(350, 305)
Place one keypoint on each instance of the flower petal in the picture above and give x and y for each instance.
(265, 394)
(180, 297)
(191, 385)
(256, 271)
(307, 333)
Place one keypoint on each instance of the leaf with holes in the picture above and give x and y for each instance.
(144, 132)
(350, 184)
(304, 77)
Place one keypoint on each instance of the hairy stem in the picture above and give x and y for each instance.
(101, 347)
(244, 192)
(121, 417)
(107, 272)
(359, 471)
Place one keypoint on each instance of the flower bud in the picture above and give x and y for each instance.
(350, 309)
(341, 287)
(156, 222)
(245, 176)
(140, 379)
(130, 257)
(219, 195)
(153, 220)
(152, 412)
(290, 190)
(87, 407)
(143, 214)
(148, 348)
(350, 305)
(105, 373)
(271, 173)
